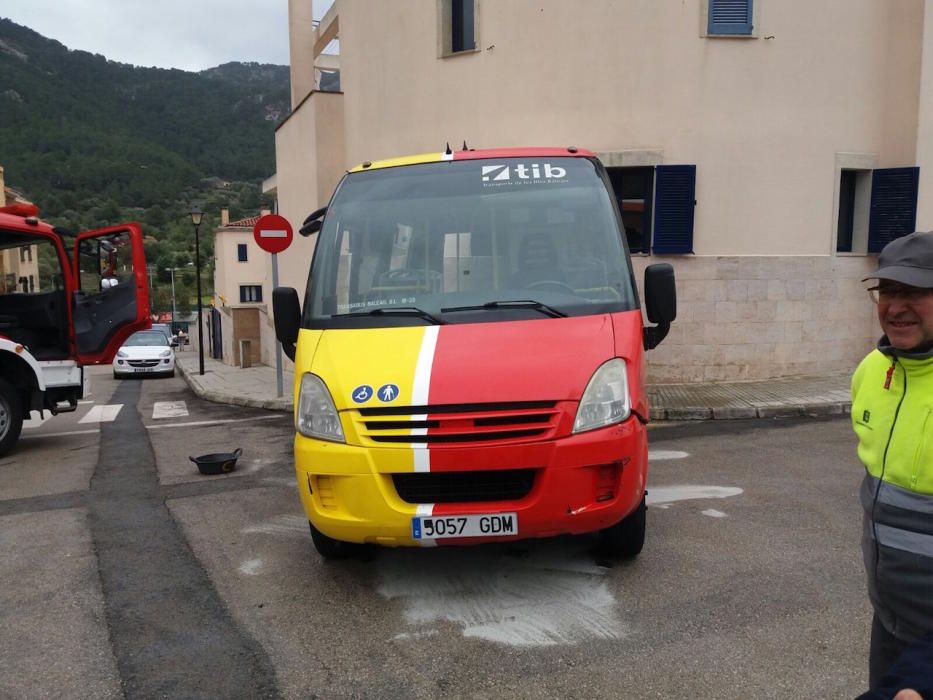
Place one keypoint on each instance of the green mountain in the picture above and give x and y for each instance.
(95, 142)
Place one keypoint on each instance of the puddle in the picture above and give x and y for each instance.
(251, 567)
(546, 599)
(291, 525)
(660, 455)
(665, 495)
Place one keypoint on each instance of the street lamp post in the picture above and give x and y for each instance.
(196, 216)
(172, 270)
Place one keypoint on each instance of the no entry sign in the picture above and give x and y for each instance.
(273, 233)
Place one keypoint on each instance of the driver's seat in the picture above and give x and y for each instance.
(537, 261)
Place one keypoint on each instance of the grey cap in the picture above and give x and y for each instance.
(908, 260)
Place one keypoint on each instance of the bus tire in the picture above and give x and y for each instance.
(329, 548)
(11, 416)
(625, 539)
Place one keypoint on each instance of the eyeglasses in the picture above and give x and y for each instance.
(907, 294)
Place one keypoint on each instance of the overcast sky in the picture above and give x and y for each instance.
(187, 34)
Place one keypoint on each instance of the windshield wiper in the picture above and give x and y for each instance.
(513, 304)
(396, 311)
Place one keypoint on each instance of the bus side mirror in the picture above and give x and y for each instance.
(286, 310)
(313, 223)
(660, 302)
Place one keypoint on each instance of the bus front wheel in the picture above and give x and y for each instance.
(625, 539)
(329, 548)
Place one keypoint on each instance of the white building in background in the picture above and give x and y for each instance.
(242, 289)
(765, 148)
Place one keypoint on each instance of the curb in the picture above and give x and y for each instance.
(283, 405)
(775, 410)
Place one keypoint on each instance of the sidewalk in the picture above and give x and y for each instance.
(775, 398)
(241, 387)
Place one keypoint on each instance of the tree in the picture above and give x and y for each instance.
(183, 298)
(160, 299)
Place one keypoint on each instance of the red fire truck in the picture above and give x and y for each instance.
(66, 301)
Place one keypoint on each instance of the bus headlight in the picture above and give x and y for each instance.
(317, 416)
(606, 399)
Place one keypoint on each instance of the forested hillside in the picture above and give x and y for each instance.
(95, 142)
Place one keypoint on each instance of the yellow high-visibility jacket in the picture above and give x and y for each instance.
(892, 413)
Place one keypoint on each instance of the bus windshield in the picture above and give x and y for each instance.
(469, 241)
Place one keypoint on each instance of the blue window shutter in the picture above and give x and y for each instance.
(893, 210)
(674, 202)
(730, 17)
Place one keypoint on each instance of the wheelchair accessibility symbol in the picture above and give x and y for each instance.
(362, 393)
(388, 392)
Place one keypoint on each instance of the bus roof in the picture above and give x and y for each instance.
(569, 151)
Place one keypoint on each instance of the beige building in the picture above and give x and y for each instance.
(19, 267)
(242, 291)
(805, 132)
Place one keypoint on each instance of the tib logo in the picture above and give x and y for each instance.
(522, 171)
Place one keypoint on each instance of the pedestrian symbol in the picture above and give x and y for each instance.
(388, 392)
(362, 393)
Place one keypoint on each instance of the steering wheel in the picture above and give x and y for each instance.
(561, 286)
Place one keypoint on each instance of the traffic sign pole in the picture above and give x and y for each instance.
(273, 233)
(279, 388)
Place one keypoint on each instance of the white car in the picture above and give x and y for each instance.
(145, 352)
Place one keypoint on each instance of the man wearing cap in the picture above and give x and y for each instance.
(892, 413)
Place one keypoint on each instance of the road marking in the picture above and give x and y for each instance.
(713, 513)
(658, 455)
(102, 414)
(35, 420)
(51, 435)
(84, 402)
(663, 496)
(555, 595)
(195, 424)
(169, 409)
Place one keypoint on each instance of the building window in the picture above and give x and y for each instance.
(457, 25)
(250, 293)
(875, 207)
(461, 21)
(25, 253)
(729, 17)
(634, 191)
(852, 224)
(657, 206)
(241, 254)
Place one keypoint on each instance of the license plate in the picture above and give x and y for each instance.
(440, 527)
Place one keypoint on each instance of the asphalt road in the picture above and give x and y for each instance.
(124, 572)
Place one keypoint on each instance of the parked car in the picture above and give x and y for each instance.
(166, 329)
(145, 352)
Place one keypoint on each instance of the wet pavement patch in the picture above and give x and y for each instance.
(170, 632)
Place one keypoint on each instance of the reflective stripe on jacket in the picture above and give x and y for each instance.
(892, 413)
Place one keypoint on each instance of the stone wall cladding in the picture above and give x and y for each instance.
(760, 317)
